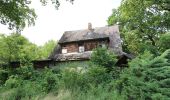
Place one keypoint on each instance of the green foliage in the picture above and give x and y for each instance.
(96, 93)
(16, 14)
(114, 18)
(141, 23)
(72, 78)
(103, 57)
(164, 42)
(27, 83)
(13, 82)
(3, 76)
(46, 49)
(49, 80)
(15, 47)
(28, 90)
(147, 78)
(25, 72)
(98, 75)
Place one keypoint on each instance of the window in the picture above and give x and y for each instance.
(64, 50)
(102, 44)
(81, 48)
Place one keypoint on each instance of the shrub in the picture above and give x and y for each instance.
(25, 72)
(22, 88)
(98, 75)
(147, 78)
(3, 76)
(13, 82)
(72, 79)
(27, 91)
(164, 42)
(103, 57)
(49, 80)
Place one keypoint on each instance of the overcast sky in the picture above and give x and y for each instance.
(52, 23)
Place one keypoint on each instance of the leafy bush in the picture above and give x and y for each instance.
(29, 88)
(164, 42)
(25, 72)
(98, 75)
(147, 78)
(72, 79)
(103, 57)
(49, 80)
(3, 76)
(13, 82)
(27, 91)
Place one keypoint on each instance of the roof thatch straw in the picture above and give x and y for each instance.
(110, 32)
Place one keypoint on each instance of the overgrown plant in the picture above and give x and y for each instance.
(147, 78)
(103, 57)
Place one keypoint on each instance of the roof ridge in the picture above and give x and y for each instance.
(88, 29)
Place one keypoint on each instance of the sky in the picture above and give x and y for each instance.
(51, 23)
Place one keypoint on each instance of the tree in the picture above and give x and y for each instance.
(164, 42)
(145, 20)
(147, 78)
(103, 58)
(46, 49)
(17, 13)
(16, 48)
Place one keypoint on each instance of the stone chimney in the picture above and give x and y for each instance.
(89, 26)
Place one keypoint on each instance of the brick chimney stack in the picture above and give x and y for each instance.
(89, 26)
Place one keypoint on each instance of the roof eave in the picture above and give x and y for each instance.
(82, 40)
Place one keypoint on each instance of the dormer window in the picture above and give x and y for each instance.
(102, 44)
(81, 47)
(64, 50)
(89, 33)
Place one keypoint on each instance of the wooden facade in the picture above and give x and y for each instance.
(88, 45)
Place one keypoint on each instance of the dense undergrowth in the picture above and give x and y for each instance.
(146, 78)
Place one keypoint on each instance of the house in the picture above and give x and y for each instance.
(78, 44)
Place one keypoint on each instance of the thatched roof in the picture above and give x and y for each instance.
(110, 32)
(86, 34)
